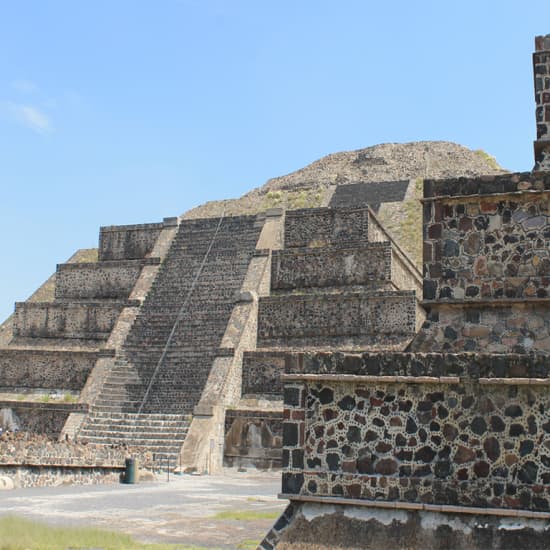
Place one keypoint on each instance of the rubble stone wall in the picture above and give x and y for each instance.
(332, 267)
(45, 369)
(315, 227)
(482, 246)
(514, 327)
(110, 279)
(345, 319)
(65, 320)
(434, 429)
(262, 373)
(42, 418)
(37, 461)
(128, 242)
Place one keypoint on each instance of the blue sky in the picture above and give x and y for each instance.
(115, 112)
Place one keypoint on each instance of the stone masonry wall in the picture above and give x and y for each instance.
(482, 246)
(332, 267)
(514, 327)
(37, 461)
(402, 276)
(541, 70)
(66, 370)
(65, 320)
(128, 242)
(315, 227)
(376, 233)
(42, 418)
(434, 429)
(262, 373)
(98, 280)
(345, 319)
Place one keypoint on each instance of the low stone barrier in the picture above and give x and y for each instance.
(29, 460)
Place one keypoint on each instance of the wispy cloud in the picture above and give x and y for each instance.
(24, 86)
(30, 116)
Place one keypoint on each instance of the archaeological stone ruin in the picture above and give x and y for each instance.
(405, 407)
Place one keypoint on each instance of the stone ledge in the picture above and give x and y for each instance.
(395, 505)
(140, 262)
(51, 406)
(106, 352)
(515, 381)
(470, 365)
(225, 352)
(374, 379)
(65, 464)
(496, 302)
(515, 183)
(131, 227)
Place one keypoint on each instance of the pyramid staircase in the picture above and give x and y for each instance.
(148, 397)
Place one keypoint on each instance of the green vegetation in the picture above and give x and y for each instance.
(292, 200)
(273, 199)
(411, 230)
(246, 515)
(404, 222)
(21, 534)
(69, 398)
(45, 398)
(249, 544)
(491, 161)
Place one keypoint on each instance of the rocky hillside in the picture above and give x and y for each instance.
(314, 185)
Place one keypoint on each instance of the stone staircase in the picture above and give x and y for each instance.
(162, 434)
(158, 377)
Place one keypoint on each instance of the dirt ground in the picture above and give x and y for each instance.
(182, 510)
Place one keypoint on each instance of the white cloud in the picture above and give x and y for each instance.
(24, 86)
(30, 116)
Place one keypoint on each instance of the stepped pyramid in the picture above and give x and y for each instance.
(339, 284)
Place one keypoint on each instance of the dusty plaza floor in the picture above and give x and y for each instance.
(180, 511)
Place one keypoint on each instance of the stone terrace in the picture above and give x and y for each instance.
(339, 283)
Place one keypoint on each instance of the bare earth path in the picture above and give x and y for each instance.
(181, 511)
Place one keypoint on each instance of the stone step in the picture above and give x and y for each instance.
(133, 416)
(155, 426)
(159, 438)
(158, 445)
(142, 430)
(159, 451)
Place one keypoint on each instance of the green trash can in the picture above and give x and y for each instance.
(131, 469)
